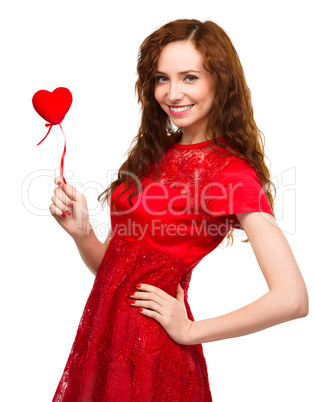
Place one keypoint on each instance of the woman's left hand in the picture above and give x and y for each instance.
(170, 312)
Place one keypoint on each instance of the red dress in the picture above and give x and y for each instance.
(119, 354)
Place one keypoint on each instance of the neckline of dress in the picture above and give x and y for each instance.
(196, 145)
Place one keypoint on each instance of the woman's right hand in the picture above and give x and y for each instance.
(67, 198)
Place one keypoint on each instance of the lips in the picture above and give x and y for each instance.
(180, 110)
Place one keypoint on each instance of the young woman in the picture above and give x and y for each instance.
(195, 173)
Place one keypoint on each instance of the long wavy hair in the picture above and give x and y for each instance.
(231, 115)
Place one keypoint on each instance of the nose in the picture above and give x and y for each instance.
(175, 94)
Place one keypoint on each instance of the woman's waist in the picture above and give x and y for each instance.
(126, 261)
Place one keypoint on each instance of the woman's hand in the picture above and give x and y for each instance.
(170, 312)
(67, 198)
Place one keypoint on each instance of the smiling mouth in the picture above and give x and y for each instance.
(179, 109)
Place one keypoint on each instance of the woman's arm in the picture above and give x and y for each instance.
(287, 298)
(77, 224)
(92, 250)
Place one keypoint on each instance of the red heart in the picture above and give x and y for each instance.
(52, 106)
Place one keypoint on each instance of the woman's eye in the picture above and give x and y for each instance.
(161, 78)
(191, 78)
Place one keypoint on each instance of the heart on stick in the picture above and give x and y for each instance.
(52, 106)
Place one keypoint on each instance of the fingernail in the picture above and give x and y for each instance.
(68, 212)
(138, 285)
(63, 215)
(132, 293)
(70, 205)
(140, 309)
(59, 183)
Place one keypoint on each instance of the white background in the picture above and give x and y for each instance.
(91, 48)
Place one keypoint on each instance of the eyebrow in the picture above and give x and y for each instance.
(182, 72)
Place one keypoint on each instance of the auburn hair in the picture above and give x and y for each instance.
(231, 115)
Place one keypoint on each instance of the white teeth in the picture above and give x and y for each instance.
(180, 109)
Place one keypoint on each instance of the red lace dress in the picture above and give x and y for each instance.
(119, 354)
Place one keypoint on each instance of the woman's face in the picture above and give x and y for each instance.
(183, 88)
